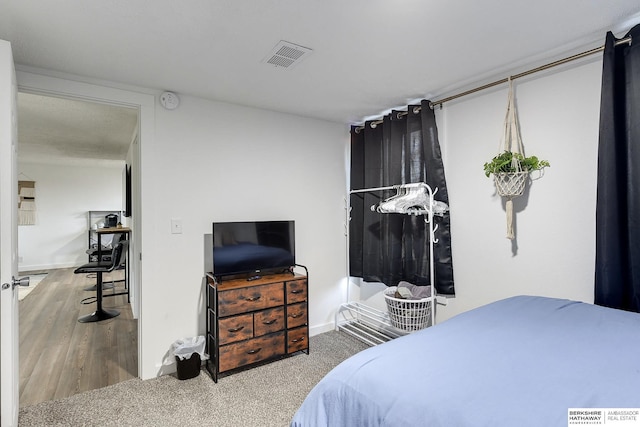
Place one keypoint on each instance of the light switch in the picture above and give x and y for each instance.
(176, 226)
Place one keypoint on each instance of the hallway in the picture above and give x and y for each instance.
(59, 356)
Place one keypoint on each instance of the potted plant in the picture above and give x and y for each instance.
(510, 170)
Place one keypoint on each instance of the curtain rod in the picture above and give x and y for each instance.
(417, 109)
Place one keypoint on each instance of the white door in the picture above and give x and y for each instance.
(9, 382)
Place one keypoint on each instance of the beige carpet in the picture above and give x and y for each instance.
(264, 396)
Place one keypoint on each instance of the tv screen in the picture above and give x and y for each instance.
(253, 247)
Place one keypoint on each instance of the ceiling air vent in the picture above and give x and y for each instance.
(287, 55)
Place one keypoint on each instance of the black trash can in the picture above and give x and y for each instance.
(188, 367)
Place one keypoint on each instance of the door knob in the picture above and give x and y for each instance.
(22, 281)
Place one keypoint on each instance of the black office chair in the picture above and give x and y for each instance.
(118, 255)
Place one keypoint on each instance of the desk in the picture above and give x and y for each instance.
(110, 230)
(115, 230)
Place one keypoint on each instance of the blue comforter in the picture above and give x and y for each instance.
(522, 361)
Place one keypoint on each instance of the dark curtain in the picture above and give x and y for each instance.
(389, 248)
(617, 273)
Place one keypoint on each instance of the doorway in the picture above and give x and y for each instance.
(75, 154)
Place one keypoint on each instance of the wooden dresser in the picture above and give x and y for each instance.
(251, 321)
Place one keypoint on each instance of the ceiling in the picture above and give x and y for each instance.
(367, 56)
(54, 129)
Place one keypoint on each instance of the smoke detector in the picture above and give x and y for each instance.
(286, 55)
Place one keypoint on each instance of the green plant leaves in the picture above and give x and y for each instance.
(504, 162)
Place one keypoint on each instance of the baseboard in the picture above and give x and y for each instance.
(38, 267)
(327, 327)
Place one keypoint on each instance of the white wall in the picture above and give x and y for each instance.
(554, 250)
(221, 162)
(64, 194)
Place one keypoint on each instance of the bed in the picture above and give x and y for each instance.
(521, 361)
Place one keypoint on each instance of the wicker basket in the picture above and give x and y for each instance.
(407, 314)
(510, 184)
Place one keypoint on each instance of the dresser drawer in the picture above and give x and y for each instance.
(296, 315)
(251, 351)
(253, 298)
(297, 339)
(296, 291)
(236, 328)
(268, 321)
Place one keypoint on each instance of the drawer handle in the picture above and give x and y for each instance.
(238, 329)
(295, 315)
(297, 340)
(252, 299)
(297, 291)
(269, 322)
(254, 351)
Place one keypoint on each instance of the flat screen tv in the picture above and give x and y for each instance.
(253, 247)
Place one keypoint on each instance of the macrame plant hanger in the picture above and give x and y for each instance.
(511, 184)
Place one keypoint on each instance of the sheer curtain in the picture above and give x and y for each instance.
(617, 275)
(389, 248)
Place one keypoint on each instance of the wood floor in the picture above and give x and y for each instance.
(60, 356)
